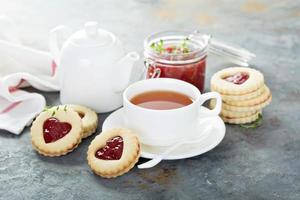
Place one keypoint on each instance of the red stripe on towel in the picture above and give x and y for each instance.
(13, 89)
(10, 107)
(53, 67)
(16, 87)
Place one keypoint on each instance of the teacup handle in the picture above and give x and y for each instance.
(218, 107)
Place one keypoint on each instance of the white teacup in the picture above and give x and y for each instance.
(166, 127)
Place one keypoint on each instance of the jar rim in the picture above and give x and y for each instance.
(199, 50)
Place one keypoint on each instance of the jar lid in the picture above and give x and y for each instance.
(91, 35)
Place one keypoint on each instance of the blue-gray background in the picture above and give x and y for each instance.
(248, 164)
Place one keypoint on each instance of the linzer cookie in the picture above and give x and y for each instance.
(247, 108)
(243, 97)
(89, 119)
(233, 114)
(56, 131)
(241, 120)
(244, 94)
(113, 153)
(237, 81)
(259, 100)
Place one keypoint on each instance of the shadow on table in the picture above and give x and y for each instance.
(7, 134)
(157, 179)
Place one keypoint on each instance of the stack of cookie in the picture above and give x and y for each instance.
(60, 129)
(244, 94)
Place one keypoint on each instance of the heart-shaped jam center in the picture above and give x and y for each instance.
(54, 130)
(237, 78)
(113, 149)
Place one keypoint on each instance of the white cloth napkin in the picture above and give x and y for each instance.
(21, 66)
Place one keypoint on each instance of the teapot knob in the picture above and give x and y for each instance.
(91, 28)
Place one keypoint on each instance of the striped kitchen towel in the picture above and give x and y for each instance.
(21, 66)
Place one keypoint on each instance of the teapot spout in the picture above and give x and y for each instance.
(130, 58)
(124, 71)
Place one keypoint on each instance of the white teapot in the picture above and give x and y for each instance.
(93, 68)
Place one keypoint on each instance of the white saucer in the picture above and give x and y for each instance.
(115, 120)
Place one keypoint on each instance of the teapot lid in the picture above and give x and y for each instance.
(91, 35)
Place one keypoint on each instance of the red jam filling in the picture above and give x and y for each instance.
(54, 130)
(192, 72)
(113, 149)
(237, 78)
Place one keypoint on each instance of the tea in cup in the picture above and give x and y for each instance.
(164, 111)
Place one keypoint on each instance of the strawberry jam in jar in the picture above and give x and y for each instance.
(177, 54)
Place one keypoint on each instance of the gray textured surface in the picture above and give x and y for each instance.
(248, 164)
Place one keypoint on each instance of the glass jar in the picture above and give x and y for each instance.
(177, 54)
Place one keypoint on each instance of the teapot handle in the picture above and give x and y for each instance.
(57, 36)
